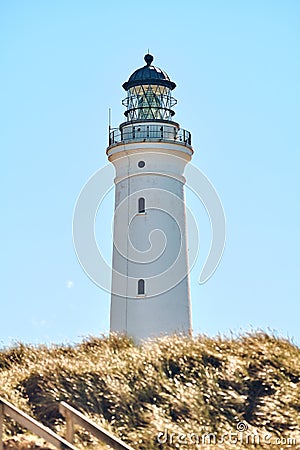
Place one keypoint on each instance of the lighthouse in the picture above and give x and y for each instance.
(150, 293)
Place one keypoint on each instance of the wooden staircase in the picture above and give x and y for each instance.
(73, 417)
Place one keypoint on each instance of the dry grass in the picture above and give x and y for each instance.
(183, 385)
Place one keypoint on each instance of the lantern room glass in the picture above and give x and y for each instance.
(149, 102)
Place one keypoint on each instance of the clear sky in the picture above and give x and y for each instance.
(236, 65)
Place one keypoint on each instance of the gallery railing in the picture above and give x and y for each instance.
(149, 133)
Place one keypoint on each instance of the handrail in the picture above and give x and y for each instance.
(32, 425)
(151, 132)
(73, 417)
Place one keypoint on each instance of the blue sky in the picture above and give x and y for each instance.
(236, 66)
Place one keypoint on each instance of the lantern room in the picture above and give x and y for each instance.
(149, 94)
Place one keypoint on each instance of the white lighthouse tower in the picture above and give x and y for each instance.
(150, 274)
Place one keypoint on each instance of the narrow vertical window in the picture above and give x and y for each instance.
(141, 287)
(141, 205)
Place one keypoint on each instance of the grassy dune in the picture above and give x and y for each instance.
(172, 389)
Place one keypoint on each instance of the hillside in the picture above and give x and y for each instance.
(163, 389)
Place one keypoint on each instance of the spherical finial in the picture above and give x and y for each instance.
(148, 59)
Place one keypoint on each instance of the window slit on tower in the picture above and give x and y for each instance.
(141, 287)
(141, 205)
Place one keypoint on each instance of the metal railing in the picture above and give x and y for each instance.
(73, 417)
(7, 409)
(149, 133)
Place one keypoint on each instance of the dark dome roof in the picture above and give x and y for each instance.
(149, 75)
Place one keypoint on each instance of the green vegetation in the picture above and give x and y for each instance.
(183, 385)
